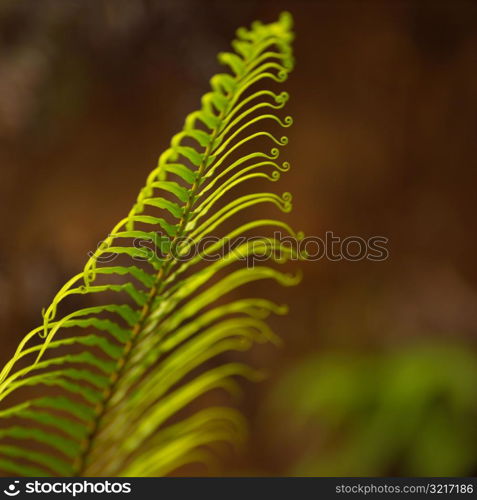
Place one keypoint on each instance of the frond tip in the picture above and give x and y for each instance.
(120, 373)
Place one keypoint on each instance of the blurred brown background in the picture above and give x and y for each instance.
(385, 106)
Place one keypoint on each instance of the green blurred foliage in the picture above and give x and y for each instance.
(406, 412)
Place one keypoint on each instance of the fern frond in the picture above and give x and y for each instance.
(118, 372)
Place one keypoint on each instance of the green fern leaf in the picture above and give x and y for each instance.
(117, 374)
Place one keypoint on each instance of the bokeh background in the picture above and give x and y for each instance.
(378, 373)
